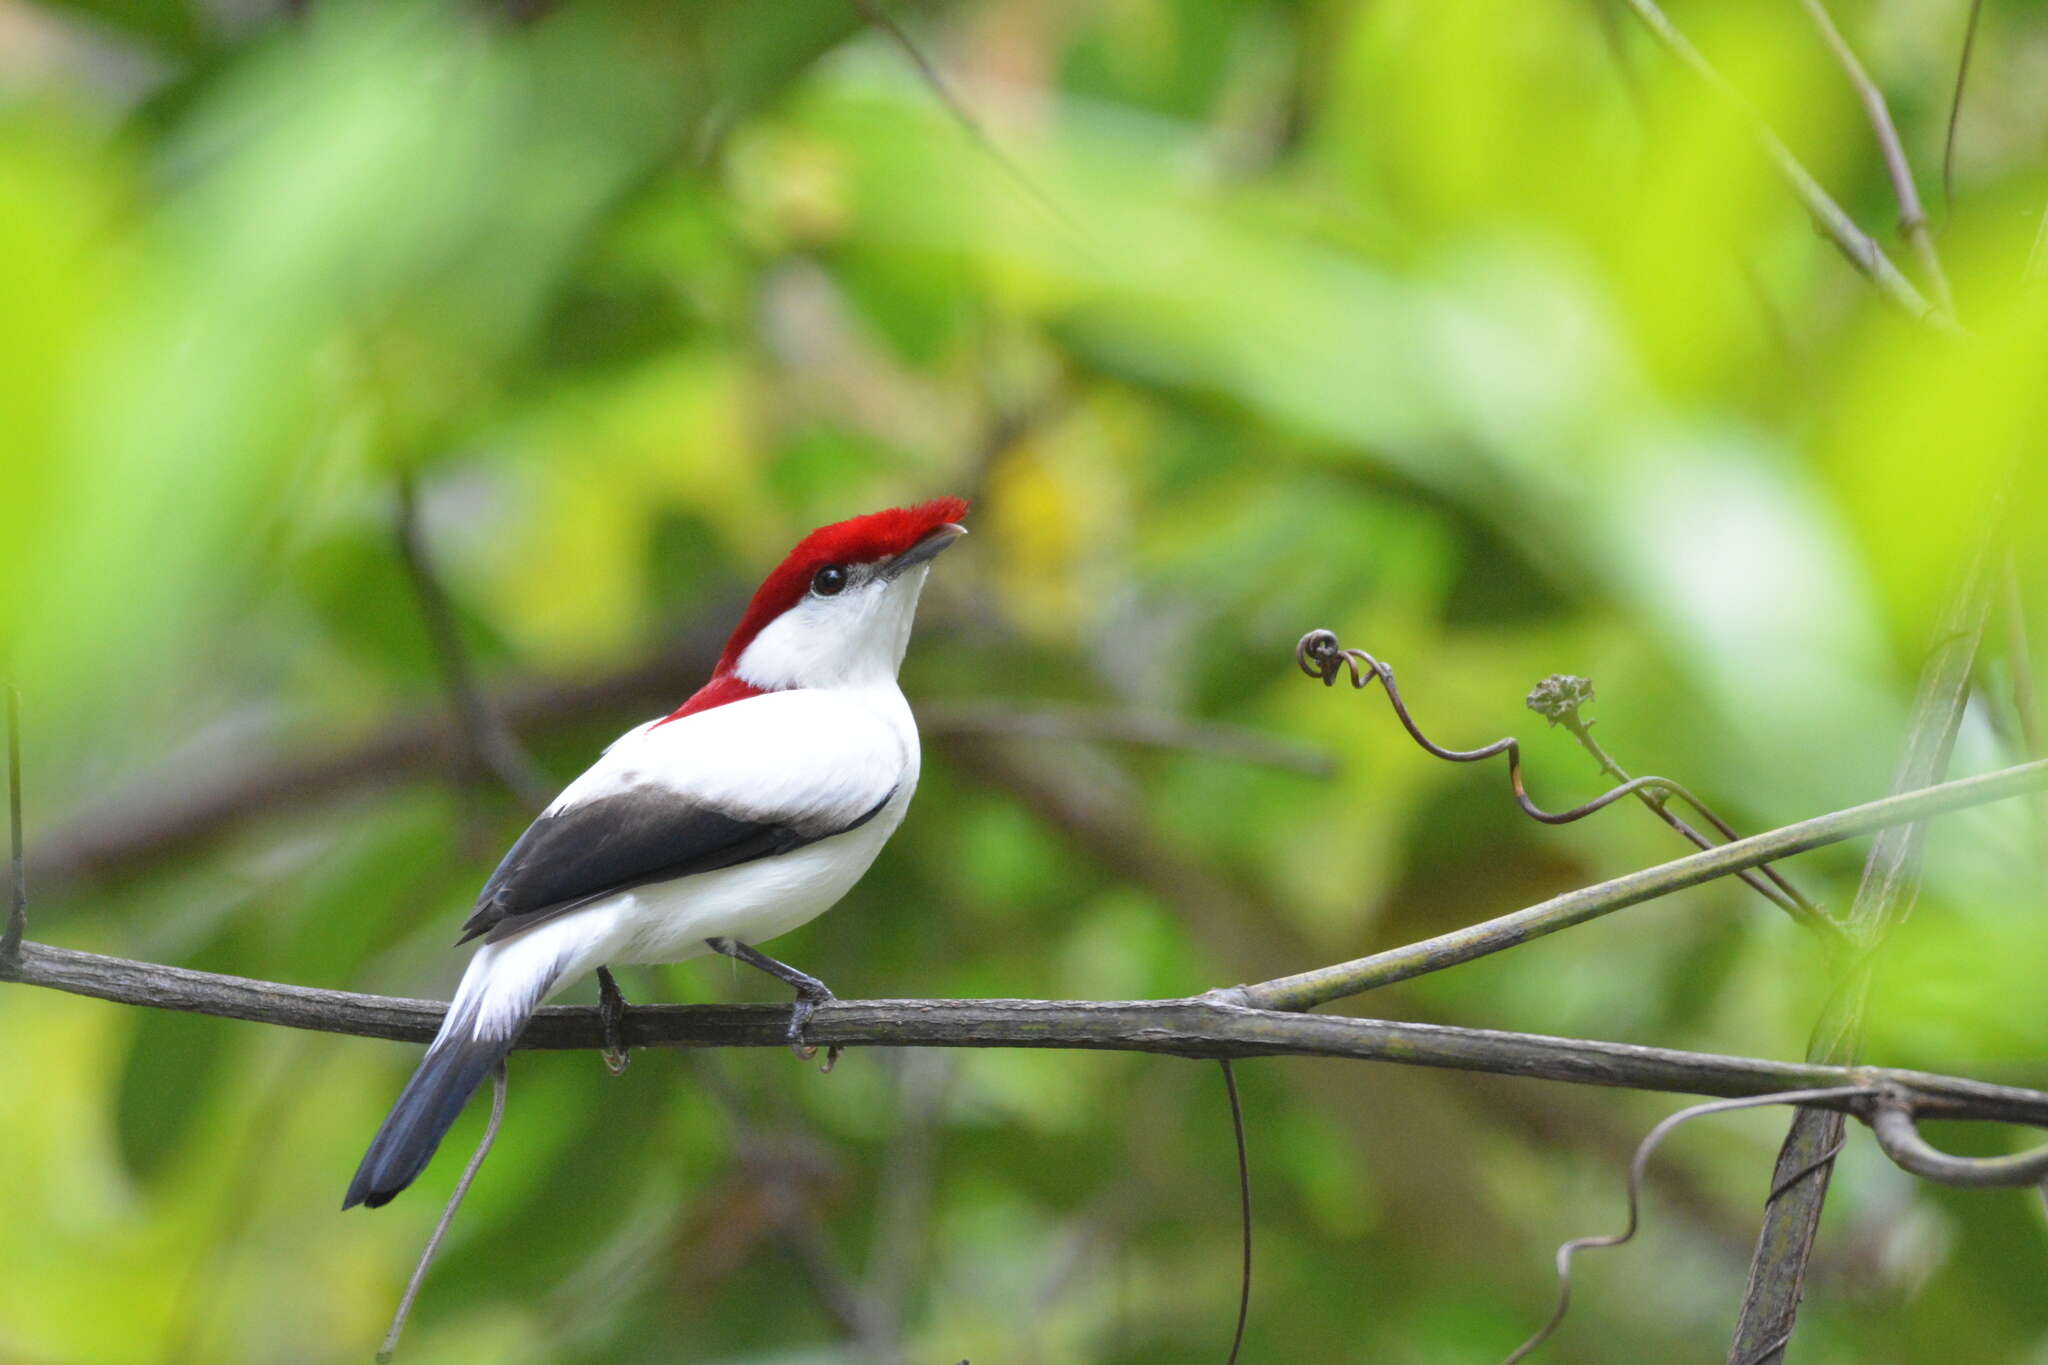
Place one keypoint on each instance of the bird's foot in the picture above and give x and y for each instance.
(810, 993)
(611, 1009)
(807, 1002)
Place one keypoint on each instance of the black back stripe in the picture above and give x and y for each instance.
(616, 843)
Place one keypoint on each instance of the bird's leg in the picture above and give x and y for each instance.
(611, 1008)
(810, 992)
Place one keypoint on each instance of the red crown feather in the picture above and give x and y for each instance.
(859, 540)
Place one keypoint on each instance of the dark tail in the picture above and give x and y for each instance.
(425, 1111)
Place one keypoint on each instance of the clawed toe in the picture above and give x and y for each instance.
(800, 1020)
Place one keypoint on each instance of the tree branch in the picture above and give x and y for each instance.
(1202, 1027)
(1955, 112)
(155, 820)
(485, 741)
(1856, 245)
(1305, 990)
(1891, 878)
(1912, 218)
(134, 831)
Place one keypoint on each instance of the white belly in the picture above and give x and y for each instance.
(755, 902)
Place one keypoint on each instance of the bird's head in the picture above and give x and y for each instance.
(837, 611)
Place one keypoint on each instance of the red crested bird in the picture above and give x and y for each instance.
(749, 810)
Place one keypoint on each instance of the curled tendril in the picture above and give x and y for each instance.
(1319, 654)
(1636, 1165)
(1894, 1122)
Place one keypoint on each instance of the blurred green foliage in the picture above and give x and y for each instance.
(1477, 332)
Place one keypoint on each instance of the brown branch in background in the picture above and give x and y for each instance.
(1557, 698)
(835, 1286)
(1856, 245)
(485, 740)
(17, 889)
(1777, 1272)
(1636, 1166)
(1912, 218)
(1955, 111)
(154, 821)
(779, 1185)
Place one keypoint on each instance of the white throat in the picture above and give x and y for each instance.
(856, 639)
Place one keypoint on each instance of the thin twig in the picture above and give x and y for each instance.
(1912, 218)
(1206, 1027)
(419, 1274)
(1636, 1166)
(17, 895)
(1244, 1206)
(1856, 245)
(873, 13)
(483, 735)
(1305, 990)
(1955, 112)
(2019, 657)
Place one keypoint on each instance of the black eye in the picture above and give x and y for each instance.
(829, 580)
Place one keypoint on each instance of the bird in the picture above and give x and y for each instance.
(749, 810)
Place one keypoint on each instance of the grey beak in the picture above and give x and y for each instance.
(925, 550)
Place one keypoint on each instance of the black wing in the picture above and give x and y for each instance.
(615, 843)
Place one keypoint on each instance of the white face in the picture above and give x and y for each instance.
(851, 637)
